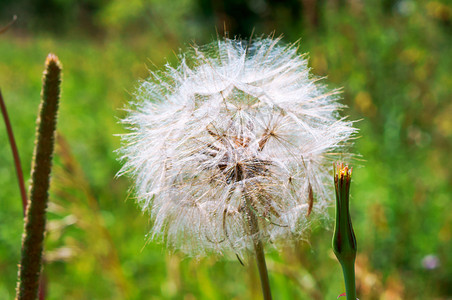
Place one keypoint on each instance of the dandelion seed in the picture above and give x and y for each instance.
(238, 133)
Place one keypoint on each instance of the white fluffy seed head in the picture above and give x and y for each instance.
(234, 121)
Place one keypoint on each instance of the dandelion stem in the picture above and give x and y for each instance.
(35, 220)
(259, 250)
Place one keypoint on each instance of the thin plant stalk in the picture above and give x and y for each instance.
(35, 219)
(259, 250)
(7, 26)
(12, 143)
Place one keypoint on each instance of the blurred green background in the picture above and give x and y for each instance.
(394, 62)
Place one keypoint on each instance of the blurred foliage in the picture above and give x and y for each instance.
(392, 59)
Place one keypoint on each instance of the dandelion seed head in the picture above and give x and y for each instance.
(233, 121)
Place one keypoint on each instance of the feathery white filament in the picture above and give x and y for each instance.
(233, 121)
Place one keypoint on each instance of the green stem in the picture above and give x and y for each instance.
(35, 220)
(348, 269)
(259, 250)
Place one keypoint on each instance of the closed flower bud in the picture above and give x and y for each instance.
(344, 241)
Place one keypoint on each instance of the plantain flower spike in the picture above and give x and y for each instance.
(238, 128)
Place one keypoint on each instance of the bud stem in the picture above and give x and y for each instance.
(348, 269)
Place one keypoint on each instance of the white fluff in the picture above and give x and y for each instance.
(233, 120)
